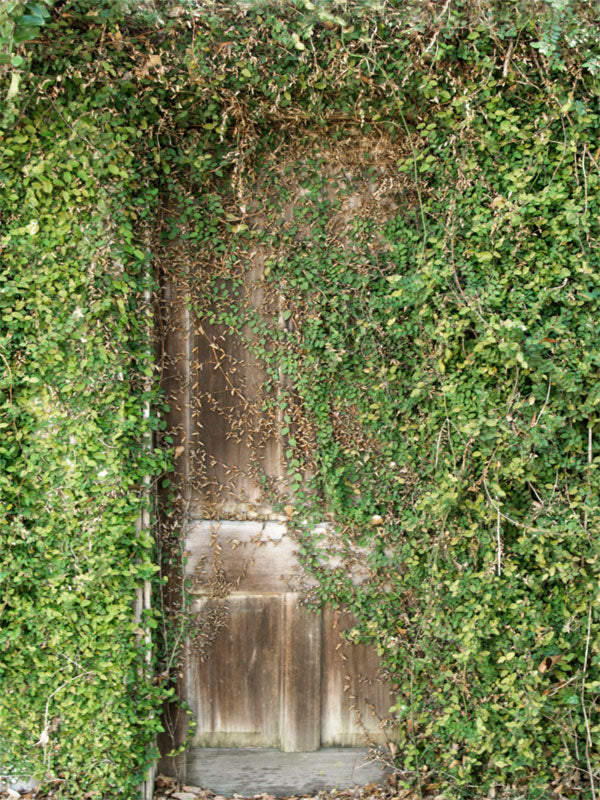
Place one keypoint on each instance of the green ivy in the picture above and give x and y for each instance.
(443, 358)
(78, 705)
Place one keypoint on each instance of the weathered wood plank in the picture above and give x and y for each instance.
(237, 437)
(245, 557)
(234, 690)
(354, 701)
(300, 701)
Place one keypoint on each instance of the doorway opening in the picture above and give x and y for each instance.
(265, 678)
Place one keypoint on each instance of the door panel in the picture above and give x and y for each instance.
(234, 689)
(235, 431)
(235, 443)
(257, 683)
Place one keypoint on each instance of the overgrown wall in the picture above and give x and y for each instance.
(77, 697)
(441, 359)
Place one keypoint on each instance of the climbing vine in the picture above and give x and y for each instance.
(414, 188)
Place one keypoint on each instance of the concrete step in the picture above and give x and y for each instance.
(254, 770)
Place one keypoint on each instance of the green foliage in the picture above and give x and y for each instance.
(442, 354)
(463, 372)
(78, 703)
(20, 22)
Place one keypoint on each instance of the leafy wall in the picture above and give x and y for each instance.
(440, 360)
(78, 702)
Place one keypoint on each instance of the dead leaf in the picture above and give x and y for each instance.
(153, 61)
(549, 662)
(179, 450)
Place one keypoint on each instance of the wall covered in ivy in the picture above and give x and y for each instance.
(439, 372)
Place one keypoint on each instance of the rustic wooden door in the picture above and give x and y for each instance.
(260, 671)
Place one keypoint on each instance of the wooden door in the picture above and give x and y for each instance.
(261, 671)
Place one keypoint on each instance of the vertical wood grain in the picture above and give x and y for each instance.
(234, 690)
(300, 701)
(354, 700)
(237, 438)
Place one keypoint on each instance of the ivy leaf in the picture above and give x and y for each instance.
(13, 89)
(31, 19)
(25, 33)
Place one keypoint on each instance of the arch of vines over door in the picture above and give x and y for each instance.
(260, 671)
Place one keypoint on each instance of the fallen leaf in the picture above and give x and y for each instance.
(13, 89)
(153, 61)
(549, 662)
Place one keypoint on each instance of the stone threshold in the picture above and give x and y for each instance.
(253, 770)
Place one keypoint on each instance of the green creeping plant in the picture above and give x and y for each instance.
(425, 192)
